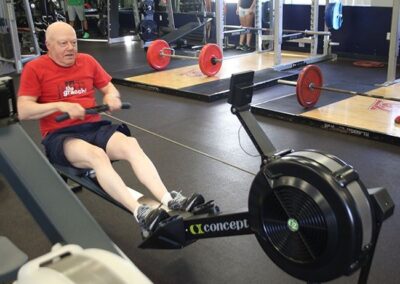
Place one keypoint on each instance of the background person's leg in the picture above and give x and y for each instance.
(80, 11)
(242, 37)
(71, 15)
(249, 22)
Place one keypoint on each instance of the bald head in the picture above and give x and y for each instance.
(58, 29)
(61, 44)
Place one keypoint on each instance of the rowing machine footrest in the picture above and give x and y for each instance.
(206, 208)
(170, 234)
(77, 188)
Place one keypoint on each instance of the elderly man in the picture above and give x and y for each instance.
(64, 80)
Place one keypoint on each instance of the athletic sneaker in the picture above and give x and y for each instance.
(85, 35)
(246, 48)
(150, 218)
(182, 203)
(239, 47)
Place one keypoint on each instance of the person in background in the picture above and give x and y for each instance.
(64, 80)
(76, 8)
(245, 10)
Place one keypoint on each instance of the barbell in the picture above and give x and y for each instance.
(310, 84)
(210, 58)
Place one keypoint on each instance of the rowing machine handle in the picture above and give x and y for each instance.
(94, 110)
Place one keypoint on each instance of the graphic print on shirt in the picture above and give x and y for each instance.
(72, 88)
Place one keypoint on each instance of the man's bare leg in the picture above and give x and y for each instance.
(84, 155)
(121, 147)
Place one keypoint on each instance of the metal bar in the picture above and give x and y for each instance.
(287, 82)
(32, 31)
(12, 24)
(307, 32)
(278, 19)
(236, 31)
(394, 43)
(314, 26)
(322, 33)
(329, 89)
(258, 25)
(336, 90)
(219, 23)
(327, 47)
(291, 36)
(178, 56)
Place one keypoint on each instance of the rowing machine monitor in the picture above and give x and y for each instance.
(240, 93)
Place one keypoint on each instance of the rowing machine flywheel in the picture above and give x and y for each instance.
(312, 215)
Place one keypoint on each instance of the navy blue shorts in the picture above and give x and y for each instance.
(96, 133)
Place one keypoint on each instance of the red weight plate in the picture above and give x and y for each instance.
(154, 57)
(369, 64)
(207, 63)
(310, 76)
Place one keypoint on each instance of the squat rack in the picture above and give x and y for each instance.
(9, 26)
(275, 36)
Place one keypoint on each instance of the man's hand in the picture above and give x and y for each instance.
(113, 101)
(111, 97)
(75, 110)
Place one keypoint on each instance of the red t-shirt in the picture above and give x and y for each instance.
(50, 82)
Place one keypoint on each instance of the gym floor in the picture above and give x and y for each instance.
(214, 164)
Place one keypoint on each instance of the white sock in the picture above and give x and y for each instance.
(166, 198)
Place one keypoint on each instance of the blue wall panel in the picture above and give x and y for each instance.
(363, 33)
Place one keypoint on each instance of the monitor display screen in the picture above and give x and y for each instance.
(241, 88)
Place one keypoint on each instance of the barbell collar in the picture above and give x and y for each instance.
(287, 82)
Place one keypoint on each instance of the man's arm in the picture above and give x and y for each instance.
(111, 96)
(29, 108)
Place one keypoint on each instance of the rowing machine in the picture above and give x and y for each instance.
(309, 210)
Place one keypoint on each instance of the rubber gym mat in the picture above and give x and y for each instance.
(287, 108)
